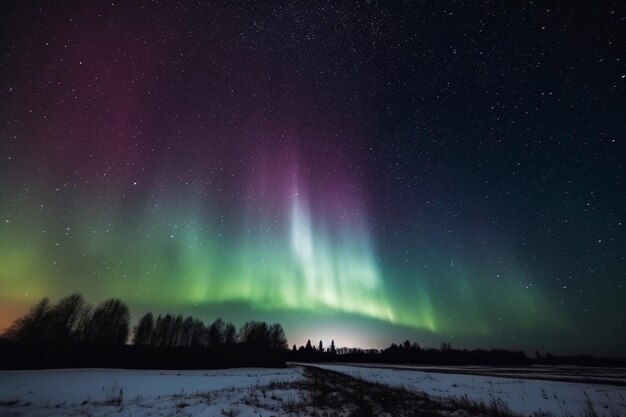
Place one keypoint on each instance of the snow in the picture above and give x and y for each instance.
(601, 375)
(523, 396)
(97, 391)
(267, 392)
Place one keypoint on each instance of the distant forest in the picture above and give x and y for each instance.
(72, 333)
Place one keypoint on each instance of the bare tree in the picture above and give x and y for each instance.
(166, 331)
(230, 334)
(198, 334)
(109, 323)
(187, 332)
(216, 333)
(144, 332)
(278, 338)
(177, 331)
(256, 334)
(64, 319)
(31, 327)
(157, 336)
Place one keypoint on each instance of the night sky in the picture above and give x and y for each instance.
(367, 172)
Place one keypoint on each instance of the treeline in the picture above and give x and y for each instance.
(413, 353)
(72, 320)
(175, 331)
(71, 333)
(408, 353)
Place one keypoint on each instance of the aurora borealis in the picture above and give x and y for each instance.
(365, 172)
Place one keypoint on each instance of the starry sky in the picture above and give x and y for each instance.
(362, 171)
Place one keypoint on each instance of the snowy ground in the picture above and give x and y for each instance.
(522, 396)
(298, 391)
(98, 392)
(587, 374)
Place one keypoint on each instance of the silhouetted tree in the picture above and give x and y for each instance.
(230, 334)
(144, 332)
(216, 333)
(166, 330)
(63, 321)
(83, 323)
(109, 324)
(333, 350)
(187, 332)
(320, 347)
(177, 331)
(157, 335)
(308, 346)
(255, 333)
(199, 334)
(32, 326)
(278, 338)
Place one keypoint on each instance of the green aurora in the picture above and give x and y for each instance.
(175, 256)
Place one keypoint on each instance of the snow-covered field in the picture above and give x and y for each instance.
(294, 391)
(522, 396)
(100, 392)
(597, 375)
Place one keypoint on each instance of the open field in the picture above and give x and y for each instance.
(566, 373)
(299, 390)
(525, 391)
